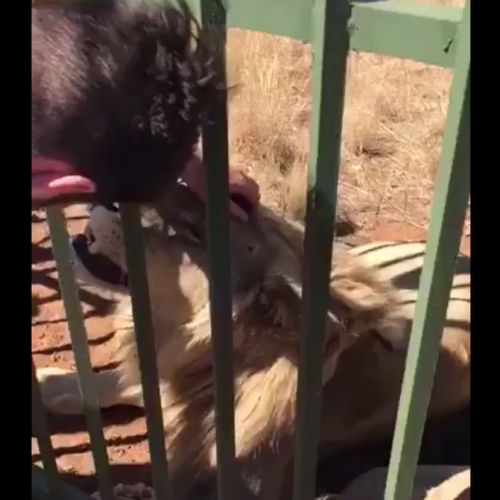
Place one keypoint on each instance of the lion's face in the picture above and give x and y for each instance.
(265, 256)
(176, 241)
(175, 238)
(266, 270)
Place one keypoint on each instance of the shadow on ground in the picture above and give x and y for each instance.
(44, 276)
(445, 442)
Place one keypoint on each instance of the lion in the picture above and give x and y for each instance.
(367, 330)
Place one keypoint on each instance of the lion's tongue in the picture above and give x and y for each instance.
(71, 184)
(52, 178)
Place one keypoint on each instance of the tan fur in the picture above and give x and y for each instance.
(456, 487)
(361, 376)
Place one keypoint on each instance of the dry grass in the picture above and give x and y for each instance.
(393, 124)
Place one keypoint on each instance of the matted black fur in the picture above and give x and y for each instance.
(118, 90)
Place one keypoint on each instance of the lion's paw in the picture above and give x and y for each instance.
(60, 390)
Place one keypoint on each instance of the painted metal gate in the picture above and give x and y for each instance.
(424, 32)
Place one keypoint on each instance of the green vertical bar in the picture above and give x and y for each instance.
(41, 429)
(143, 327)
(71, 299)
(215, 155)
(445, 230)
(331, 45)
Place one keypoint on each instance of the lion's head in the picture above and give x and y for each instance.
(266, 274)
(266, 282)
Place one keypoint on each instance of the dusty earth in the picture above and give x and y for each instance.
(125, 430)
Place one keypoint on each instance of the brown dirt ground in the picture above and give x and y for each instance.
(125, 430)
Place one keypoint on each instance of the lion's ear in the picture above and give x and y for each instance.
(366, 302)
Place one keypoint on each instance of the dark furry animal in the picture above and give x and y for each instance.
(118, 90)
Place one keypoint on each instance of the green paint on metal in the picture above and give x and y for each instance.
(215, 156)
(419, 31)
(41, 430)
(331, 46)
(290, 18)
(143, 327)
(445, 230)
(71, 299)
(390, 27)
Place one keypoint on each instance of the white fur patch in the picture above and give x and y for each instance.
(105, 226)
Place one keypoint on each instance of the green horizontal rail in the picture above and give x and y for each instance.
(423, 32)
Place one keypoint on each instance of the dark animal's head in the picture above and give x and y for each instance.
(118, 90)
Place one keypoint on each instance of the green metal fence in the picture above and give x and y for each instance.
(430, 33)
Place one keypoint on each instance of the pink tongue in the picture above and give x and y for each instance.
(72, 183)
